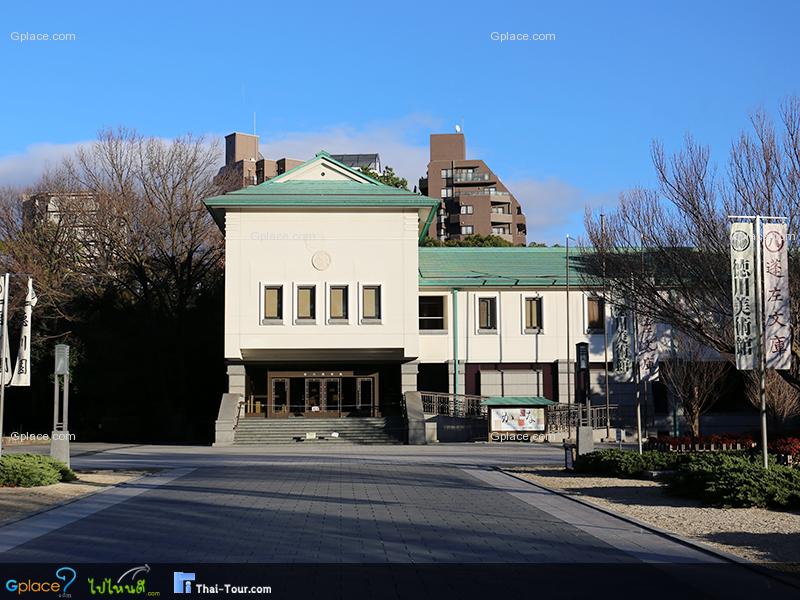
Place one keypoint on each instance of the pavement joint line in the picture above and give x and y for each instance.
(621, 538)
(43, 522)
(771, 573)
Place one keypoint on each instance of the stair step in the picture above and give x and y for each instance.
(256, 431)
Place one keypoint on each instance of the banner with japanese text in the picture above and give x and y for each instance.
(743, 279)
(777, 322)
(621, 343)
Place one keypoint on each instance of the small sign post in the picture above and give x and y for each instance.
(59, 441)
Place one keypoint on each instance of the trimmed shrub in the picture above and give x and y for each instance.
(624, 463)
(30, 470)
(736, 480)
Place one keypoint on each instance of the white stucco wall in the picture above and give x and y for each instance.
(365, 246)
(510, 343)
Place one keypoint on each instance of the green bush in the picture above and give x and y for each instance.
(736, 480)
(623, 463)
(29, 470)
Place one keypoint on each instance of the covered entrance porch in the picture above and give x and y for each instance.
(317, 394)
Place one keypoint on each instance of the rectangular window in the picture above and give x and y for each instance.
(467, 229)
(466, 209)
(371, 302)
(273, 303)
(306, 302)
(338, 300)
(447, 192)
(431, 313)
(446, 174)
(596, 310)
(533, 315)
(487, 314)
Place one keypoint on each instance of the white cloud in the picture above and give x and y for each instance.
(390, 140)
(26, 167)
(554, 208)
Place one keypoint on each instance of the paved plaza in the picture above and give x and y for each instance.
(444, 504)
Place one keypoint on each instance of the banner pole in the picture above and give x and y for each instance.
(762, 392)
(3, 358)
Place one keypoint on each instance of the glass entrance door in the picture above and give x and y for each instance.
(313, 395)
(332, 396)
(366, 395)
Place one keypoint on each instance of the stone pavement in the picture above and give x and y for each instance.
(443, 504)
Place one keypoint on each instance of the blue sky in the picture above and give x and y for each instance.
(564, 123)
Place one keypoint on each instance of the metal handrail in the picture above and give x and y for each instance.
(239, 413)
(453, 405)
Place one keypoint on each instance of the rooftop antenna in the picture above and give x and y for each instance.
(458, 128)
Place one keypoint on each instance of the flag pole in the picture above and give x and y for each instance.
(762, 346)
(3, 357)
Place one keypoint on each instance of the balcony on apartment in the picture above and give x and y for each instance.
(469, 176)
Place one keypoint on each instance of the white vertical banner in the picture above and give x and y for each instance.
(777, 321)
(743, 280)
(22, 371)
(647, 346)
(621, 343)
(6, 366)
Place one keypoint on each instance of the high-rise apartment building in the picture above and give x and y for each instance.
(244, 164)
(473, 199)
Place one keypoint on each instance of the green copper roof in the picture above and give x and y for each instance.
(517, 401)
(498, 267)
(283, 191)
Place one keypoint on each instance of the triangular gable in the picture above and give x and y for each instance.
(322, 168)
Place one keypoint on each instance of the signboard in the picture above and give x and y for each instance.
(517, 419)
(777, 322)
(745, 325)
(621, 343)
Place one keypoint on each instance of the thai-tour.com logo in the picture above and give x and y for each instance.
(184, 583)
(58, 584)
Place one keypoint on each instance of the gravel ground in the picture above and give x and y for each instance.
(17, 503)
(756, 534)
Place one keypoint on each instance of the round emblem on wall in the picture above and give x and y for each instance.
(740, 240)
(773, 241)
(321, 260)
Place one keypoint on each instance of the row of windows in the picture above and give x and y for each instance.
(432, 314)
(431, 308)
(305, 304)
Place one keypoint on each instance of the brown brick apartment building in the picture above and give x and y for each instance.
(474, 200)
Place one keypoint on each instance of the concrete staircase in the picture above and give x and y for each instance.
(366, 430)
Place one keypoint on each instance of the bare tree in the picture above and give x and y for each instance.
(783, 399)
(152, 239)
(668, 247)
(693, 376)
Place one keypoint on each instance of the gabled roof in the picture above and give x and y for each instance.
(304, 186)
(517, 401)
(498, 267)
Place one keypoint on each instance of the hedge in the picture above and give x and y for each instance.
(29, 470)
(622, 463)
(730, 479)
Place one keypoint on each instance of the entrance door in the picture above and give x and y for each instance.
(313, 395)
(332, 395)
(366, 394)
(297, 396)
(280, 396)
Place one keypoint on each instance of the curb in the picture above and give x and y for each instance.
(771, 573)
